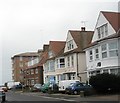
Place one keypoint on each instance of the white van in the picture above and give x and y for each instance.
(11, 84)
(65, 83)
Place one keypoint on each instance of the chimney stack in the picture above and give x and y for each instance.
(45, 47)
(82, 28)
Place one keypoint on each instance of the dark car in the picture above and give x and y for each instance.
(75, 88)
(37, 88)
(2, 95)
(53, 88)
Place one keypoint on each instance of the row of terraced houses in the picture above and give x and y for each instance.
(83, 54)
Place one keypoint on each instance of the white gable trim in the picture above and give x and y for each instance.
(69, 37)
(101, 21)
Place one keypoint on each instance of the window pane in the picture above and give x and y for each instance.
(113, 53)
(114, 71)
(91, 52)
(112, 45)
(97, 56)
(68, 60)
(105, 71)
(98, 30)
(61, 60)
(104, 47)
(96, 50)
(91, 56)
(106, 30)
(104, 55)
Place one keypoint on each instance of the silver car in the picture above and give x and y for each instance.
(2, 95)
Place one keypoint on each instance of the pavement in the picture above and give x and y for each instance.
(77, 98)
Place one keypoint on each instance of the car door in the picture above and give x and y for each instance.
(80, 87)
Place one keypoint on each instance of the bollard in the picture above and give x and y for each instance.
(82, 93)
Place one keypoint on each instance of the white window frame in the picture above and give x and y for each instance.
(102, 31)
(68, 61)
(104, 50)
(51, 65)
(70, 45)
(97, 53)
(36, 71)
(72, 60)
(32, 82)
(114, 50)
(21, 58)
(50, 53)
(32, 71)
(90, 55)
(60, 64)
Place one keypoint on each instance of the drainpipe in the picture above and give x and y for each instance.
(78, 68)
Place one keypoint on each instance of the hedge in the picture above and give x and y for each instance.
(105, 83)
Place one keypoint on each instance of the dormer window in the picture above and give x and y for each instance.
(102, 31)
(70, 45)
(50, 54)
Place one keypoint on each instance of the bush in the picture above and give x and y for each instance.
(105, 82)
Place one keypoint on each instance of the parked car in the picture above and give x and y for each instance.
(45, 87)
(36, 88)
(4, 88)
(2, 95)
(53, 88)
(12, 85)
(18, 86)
(75, 88)
(49, 87)
(65, 83)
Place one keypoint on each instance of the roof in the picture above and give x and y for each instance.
(56, 46)
(113, 18)
(44, 57)
(27, 54)
(82, 39)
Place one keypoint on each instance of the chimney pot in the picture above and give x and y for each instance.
(82, 28)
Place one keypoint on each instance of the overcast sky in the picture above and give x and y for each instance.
(25, 25)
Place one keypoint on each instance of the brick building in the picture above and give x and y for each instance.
(19, 63)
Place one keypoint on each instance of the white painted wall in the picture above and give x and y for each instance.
(119, 51)
(82, 67)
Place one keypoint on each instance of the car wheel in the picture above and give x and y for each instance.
(75, 92)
